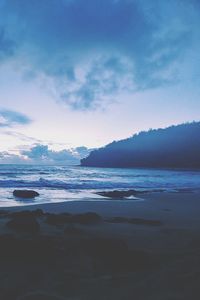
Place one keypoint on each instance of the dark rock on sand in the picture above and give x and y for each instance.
(136, 221)
(35, 213)
(65, 218)
(25, 193)
(24, 222)
(117, 220)
(58, 219)
(139, 221)
(87, 218)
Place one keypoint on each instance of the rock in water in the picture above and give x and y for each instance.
(25, 193)
(120, 194)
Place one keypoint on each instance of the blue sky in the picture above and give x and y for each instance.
(86, 72)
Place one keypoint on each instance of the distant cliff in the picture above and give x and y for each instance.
(172, 147)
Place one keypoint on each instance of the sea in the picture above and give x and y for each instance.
(72, 183)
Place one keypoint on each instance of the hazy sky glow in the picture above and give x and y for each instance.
(86, 72)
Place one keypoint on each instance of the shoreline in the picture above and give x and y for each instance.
(182, 204)
(149, 249)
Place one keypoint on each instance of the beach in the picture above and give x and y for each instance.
(146, 248)
(99, 150)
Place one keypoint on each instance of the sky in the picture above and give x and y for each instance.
(86, 72)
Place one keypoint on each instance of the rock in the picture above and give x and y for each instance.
(136, 221)
(87, 218)
(118, 220)
(139, 221)
(119, 194)
(35, 213)
(25, 222)
(25, 193)
(58, 219)
(61, 219)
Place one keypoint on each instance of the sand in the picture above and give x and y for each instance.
(106, 259)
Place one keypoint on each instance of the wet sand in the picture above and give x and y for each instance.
(146, 249)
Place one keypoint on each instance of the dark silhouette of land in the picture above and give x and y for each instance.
(172, 147)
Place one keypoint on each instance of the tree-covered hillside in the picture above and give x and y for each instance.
(172, 147)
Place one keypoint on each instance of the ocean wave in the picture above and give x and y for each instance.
(81, 185)
(58, 184)
(74, 178)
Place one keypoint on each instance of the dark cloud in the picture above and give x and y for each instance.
(9, 118)
(93, 50)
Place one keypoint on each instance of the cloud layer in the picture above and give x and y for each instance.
(87, 52)
(41, 154)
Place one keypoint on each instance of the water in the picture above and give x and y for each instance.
(66, 183)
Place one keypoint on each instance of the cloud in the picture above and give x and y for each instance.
(104, 77)
(9, 158)
(8, 118)
(41, 154)
(90, 51)
(81, 152)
